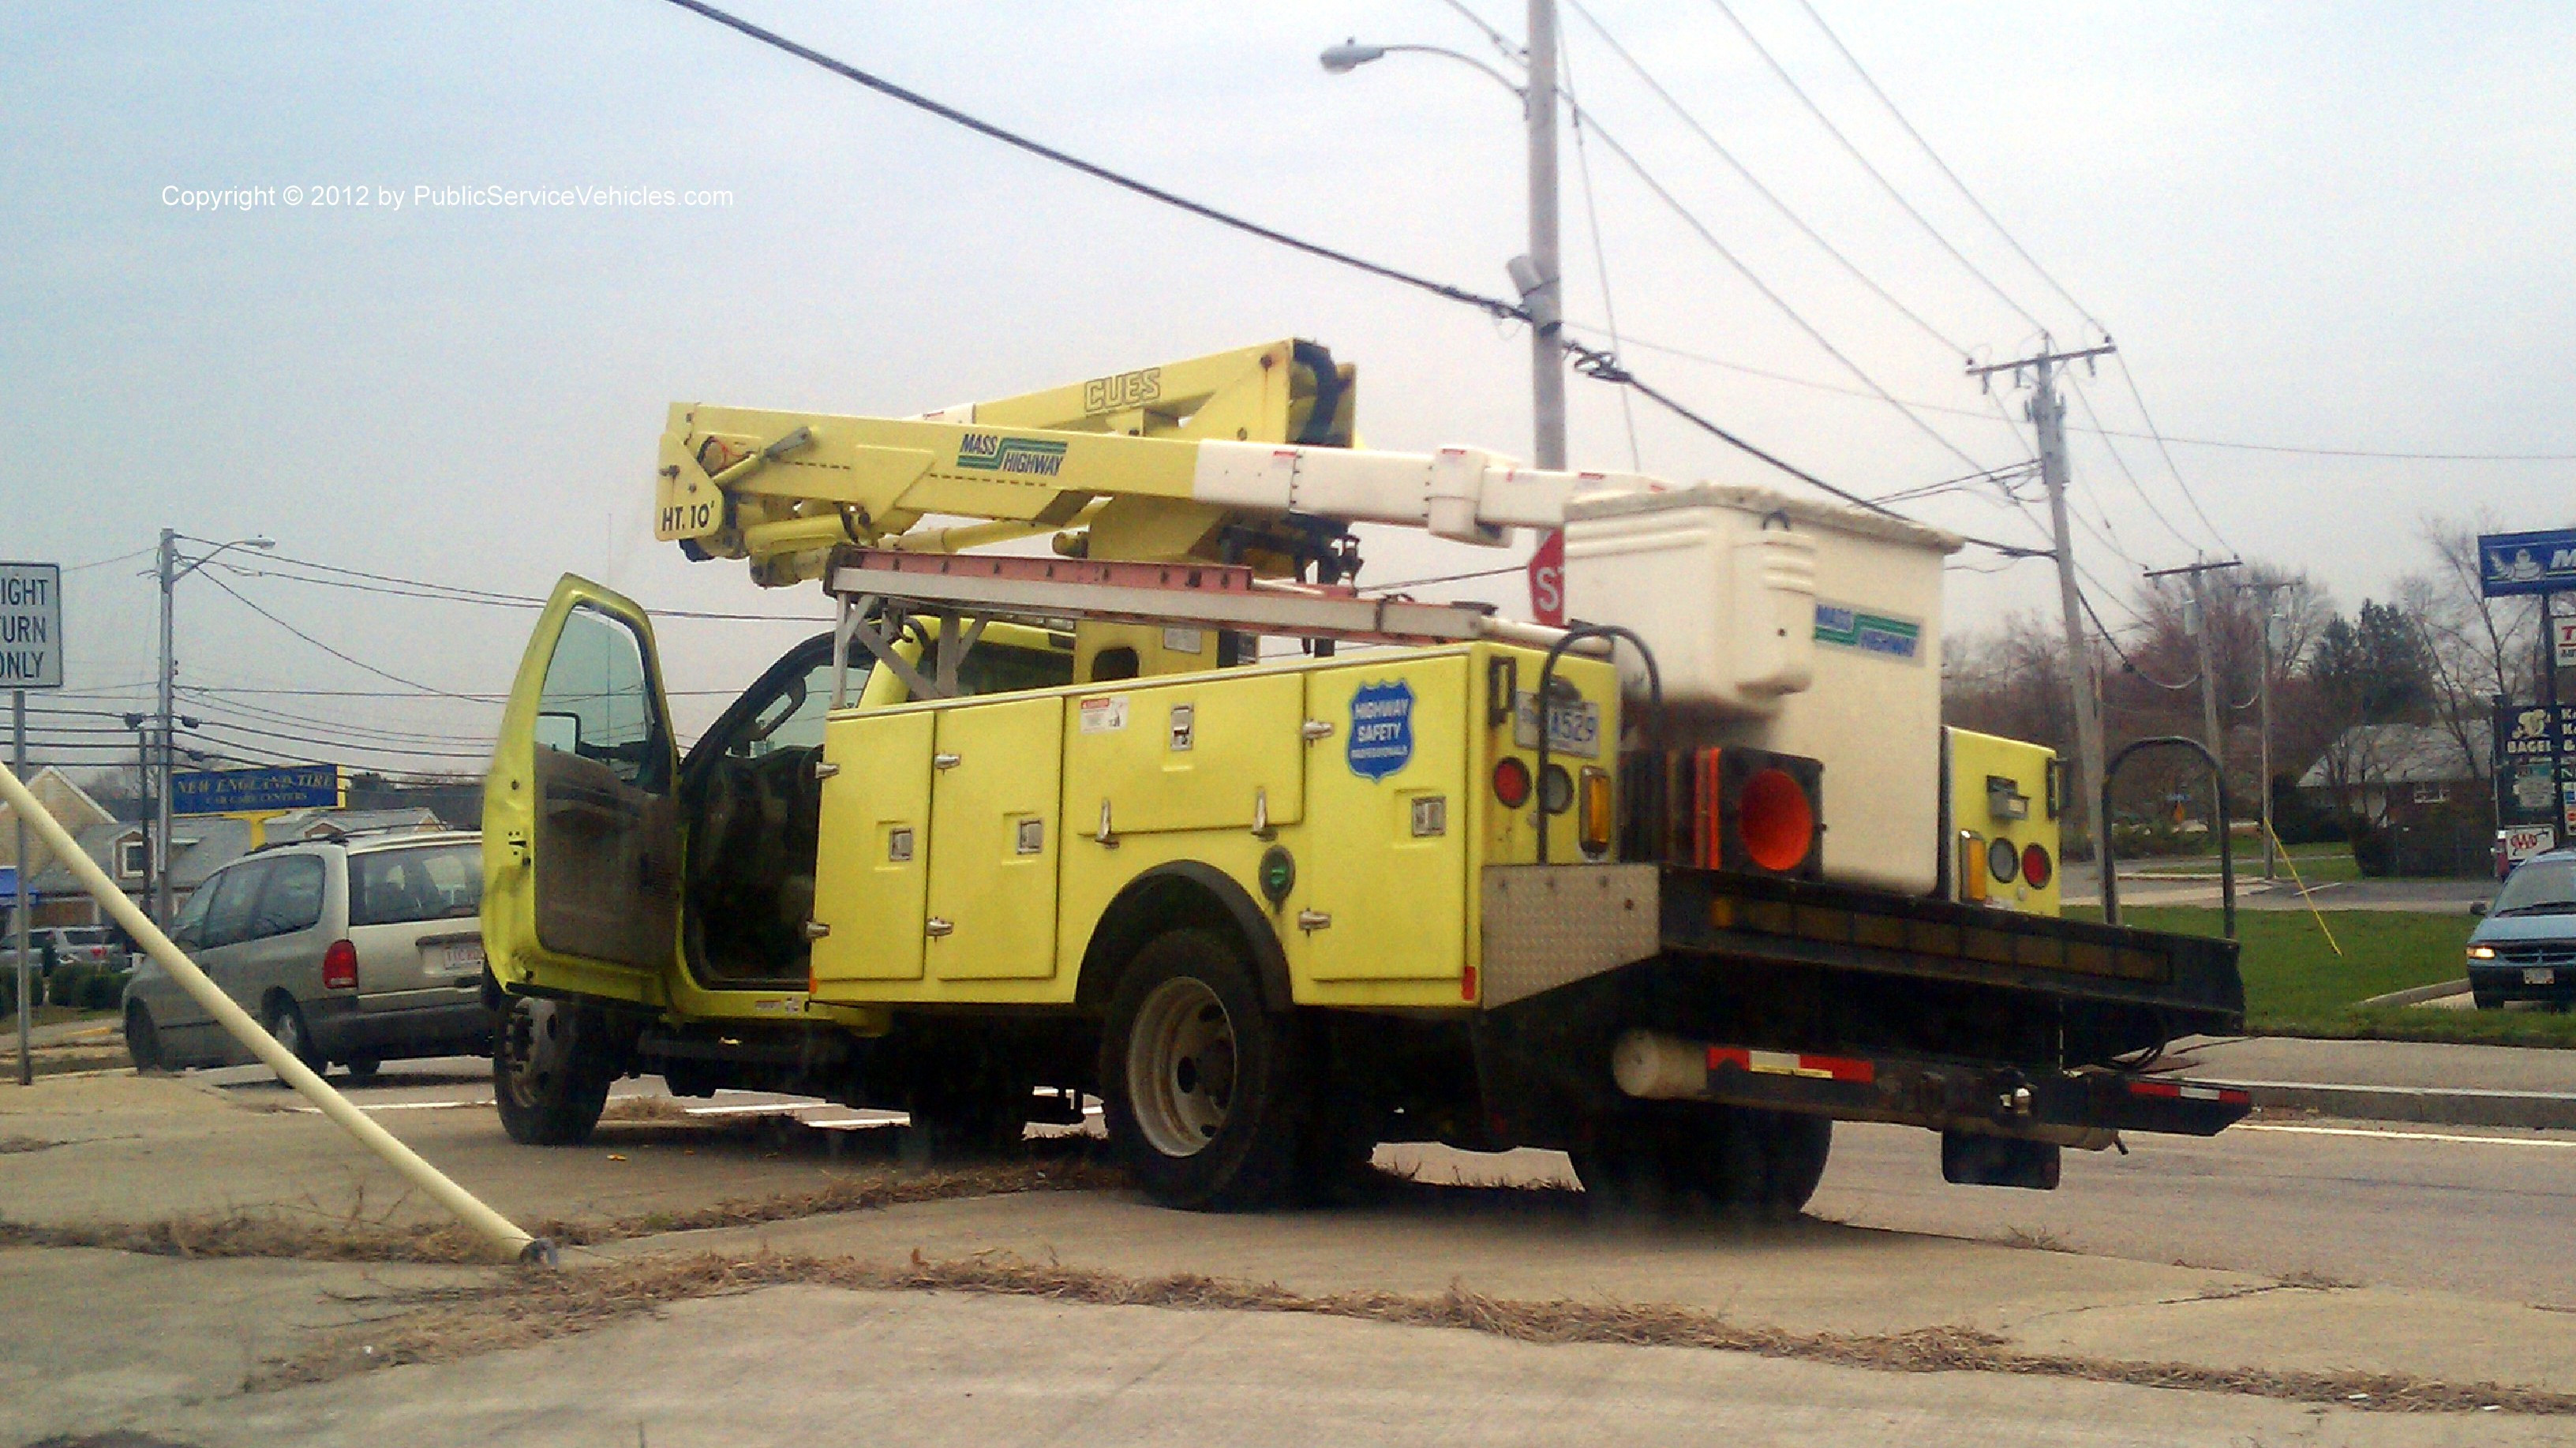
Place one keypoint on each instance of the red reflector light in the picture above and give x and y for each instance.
(1775, 821)
(1511, 782)
(2036, 867)
(340, 966)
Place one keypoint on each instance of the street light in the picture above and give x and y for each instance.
(171, 573)
(1536, 274)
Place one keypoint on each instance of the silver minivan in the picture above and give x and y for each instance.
(354, 950)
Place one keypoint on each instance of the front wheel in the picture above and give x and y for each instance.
(1203, 1088)
(551, 1069)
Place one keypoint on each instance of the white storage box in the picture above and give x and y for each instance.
(1789, 625)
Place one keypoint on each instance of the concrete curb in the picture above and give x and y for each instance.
(2417, 995)
(2431, 1106)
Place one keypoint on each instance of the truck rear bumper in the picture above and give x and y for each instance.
(2085, 1109)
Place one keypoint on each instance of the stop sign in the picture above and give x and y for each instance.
(1547, 580)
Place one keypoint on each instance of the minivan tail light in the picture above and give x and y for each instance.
(340, 966)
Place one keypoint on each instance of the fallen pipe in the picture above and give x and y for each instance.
(489, 1224)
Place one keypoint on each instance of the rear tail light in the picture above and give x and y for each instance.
(340, 966)
(1972, 867)
(1511, 782)
(1753, 810)
(1597, 812)
(2037, 867)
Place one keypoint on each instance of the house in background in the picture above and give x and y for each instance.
(89, 822)
(2401, 774)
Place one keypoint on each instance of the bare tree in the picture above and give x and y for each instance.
(2477, 647)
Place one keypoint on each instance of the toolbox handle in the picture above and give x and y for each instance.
(1575, 631)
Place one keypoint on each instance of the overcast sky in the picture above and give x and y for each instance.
(2332, 226)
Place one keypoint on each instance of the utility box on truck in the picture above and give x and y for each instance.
(1800, 628)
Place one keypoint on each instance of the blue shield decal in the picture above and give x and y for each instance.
(1381, 739)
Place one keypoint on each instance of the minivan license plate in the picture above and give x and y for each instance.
(466, 956)
(2538, 975)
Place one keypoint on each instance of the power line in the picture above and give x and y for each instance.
(2140, 399)
(326, 648)
(1600, 253)
(1769, 196)
(1874, 173)
(954, 116)
(2085, 400)
(1588, 361)
(2009, 240)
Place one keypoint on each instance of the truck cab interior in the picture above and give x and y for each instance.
(750, 801)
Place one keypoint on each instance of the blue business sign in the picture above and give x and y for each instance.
(2527, 562)
(1381, 729)
(242, 791)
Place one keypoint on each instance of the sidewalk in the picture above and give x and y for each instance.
(2396, 1080)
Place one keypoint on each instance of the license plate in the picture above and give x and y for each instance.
(1573, 725)
(463, 958)
(2538, 975)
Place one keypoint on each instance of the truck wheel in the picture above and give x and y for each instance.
(1776, 1160)
(1202, 1088)
(1728, 1159)
(286, 1023)
(551, 1070)
(142, 1041)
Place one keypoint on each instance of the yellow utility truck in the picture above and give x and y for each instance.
(1161, 808)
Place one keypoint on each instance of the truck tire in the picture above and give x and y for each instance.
(1680, 1159)
(1203, 1089)
(551, 1070)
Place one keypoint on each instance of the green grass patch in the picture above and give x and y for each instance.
(2295, 984)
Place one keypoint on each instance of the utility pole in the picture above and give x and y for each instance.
(2267, 624)
(2048, 418)
(1540, 280)
(2198, 622)
(166, 685)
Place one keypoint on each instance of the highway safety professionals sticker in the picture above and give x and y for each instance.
(1104, 716)
(1381, 737)
(1882, 634)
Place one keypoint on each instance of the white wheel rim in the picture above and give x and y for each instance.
(1181, 1067)
(532, 1049)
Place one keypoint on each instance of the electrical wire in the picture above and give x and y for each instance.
(954, 116)
(1445, 578)
(326, 648)
(2127, 663)
(2190, 497)
(2084, 400)
(1875, 174)
(1770, 197)
(2009, 240)
(1590, 362)
(1600, 253)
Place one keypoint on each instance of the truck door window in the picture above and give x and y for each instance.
(597, 702)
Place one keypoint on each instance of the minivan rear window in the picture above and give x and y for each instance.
(388, 887)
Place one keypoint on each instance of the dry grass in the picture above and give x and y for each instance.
(529, 1307)
(357, 1236)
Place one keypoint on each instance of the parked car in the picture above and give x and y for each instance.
(51, 945)
(2525, 948)
(355, 951)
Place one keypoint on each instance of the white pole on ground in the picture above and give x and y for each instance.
(489, 1224)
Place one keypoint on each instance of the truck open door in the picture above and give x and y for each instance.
(581, 842)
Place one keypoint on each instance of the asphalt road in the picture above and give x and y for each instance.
(2486, 1213)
